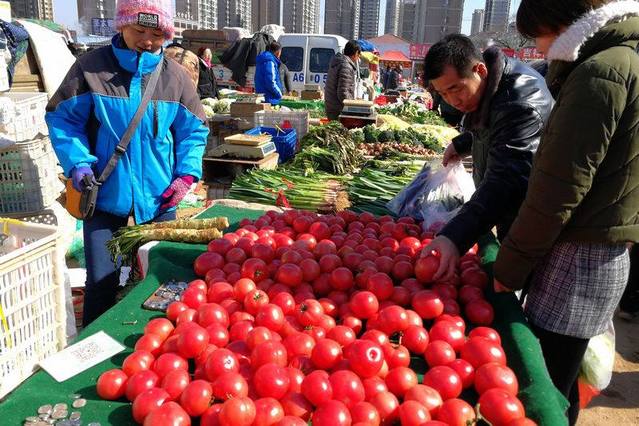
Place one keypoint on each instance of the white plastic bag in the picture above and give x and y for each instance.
(599, 359)
(435, 195)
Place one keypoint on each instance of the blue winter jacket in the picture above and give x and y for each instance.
(95, 103)
(267, 77)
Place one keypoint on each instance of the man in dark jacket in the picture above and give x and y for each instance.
(341, 80)
(506, 105)
(393, 79)
(285, 79)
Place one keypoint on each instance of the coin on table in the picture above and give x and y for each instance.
(45, 409)
(59, 414)
(44, 416)
(75, 415)
(60, 406)
(79, 403)
(31, 419)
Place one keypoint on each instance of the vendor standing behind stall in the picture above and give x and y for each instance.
(341, 80)
(569, 241)
(87, 118)
(506, 105)
(267, 74)
(207, 85)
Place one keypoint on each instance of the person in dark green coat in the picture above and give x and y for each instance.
(569, 243)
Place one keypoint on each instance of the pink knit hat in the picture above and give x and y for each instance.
(147, 13)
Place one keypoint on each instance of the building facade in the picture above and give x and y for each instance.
(207, 11)
(96, 17)
(407, 20)
(393, 15)
(301, 16)
(34, 9)
(187, 14)
(341, 17)
(478, 22)
(266, 12)
(369, 19)
(234, 13)
(434, 19)
(496, 15)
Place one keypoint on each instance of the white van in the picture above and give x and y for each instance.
(307, 57)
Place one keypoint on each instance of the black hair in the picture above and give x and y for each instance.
(274, 47)
(539, 17)
(352, 48)
(454, 50)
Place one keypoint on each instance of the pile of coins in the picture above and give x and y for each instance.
(59, 414)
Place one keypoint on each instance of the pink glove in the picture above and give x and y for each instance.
(176, 192)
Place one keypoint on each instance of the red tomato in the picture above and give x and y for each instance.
(229, 385)
(425, 395)
(255, 268)
(347, 387)
(310, 312)
(341, 278)
(480, 312)
(136, 362)
(425, 268)
(264, 250)
(412, 413)
(254, 300)
(148, 401)
(268, 411)
(174, 309)
(206, 261)
(192, 341)
(381, 285)
(456, 412)
(474, 277)
(294, 404)
(174, 383)
(342, 335)
(211, 416)
(469, 293)
(499, 407)
(332, 413)
(449, 333)
(150, 343)
(415, 339)
(494, 375)
(524, 421)
(169, 362)
(396, 356)
(364, 304)
(269, 352)
(399, 380)
(196, 397)
(169, 414)
(160, 326)
(317, 388)
(465, 371)
(382, 263)
(270, 316)
(271, 380)
(221, 361)
(237, 412)
(291, 421)
(193, 297)
(387, 406)
(289, 274)
(329, 262)
(220, 246)
(326, 354)
(365, 357)
(112, 384)
(235, 255)
(258, 335)
(212, 313)
(427, 304)
(444, 380)
(310, 269)
(393, 319)
(487, 332)
(324, 247)
(373, 385)
(439, 352)
(479, 351)
(139, 382)
(366, 413)
(402, 270)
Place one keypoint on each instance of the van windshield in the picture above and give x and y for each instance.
(320, 59)
(293, 57)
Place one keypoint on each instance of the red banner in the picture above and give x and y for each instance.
(511, 53)
(418, 51)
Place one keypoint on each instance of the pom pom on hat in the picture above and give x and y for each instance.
(147, 13)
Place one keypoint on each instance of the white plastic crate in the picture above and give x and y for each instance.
(28, 177)
(26, 120)
(32, 316)
(297, 119)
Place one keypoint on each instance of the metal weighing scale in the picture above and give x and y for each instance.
(245, 146)
(357, 113)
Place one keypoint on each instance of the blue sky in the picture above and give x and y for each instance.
(66, 12)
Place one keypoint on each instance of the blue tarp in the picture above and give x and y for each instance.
(366, 46)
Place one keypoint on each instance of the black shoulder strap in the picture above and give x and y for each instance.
(128, 134)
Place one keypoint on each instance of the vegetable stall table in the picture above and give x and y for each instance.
(174, 261)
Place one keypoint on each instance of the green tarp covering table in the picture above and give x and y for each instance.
(174, 261)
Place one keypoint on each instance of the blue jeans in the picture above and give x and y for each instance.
(102, 274)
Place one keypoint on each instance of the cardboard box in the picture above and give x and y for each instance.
(312, 95)
(239, 109)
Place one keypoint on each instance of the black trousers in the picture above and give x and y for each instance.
(563, 355)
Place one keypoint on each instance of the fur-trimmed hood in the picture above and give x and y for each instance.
(569, 44)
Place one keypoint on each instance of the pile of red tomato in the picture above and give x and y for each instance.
(301, 317)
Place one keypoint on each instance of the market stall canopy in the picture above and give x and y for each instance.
(370, 57)
(395, 56)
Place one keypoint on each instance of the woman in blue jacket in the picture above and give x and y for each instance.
(87, 118)
(267, 74)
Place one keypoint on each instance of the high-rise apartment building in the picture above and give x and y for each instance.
(35, 9)
(393, 16)
(478, 22)
(207, 11)
(234, 13)
(434, 19)
(407, 20)
(301, 16)
(187, 13)
(96, 17)
(266, 12)
(341, 17)
(496, 15)
(369, 19)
